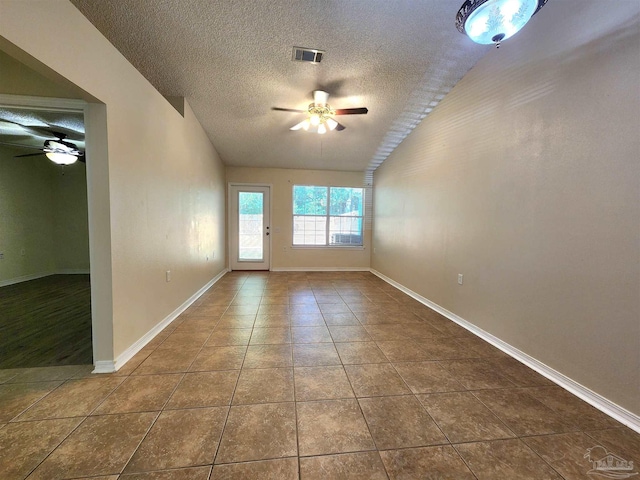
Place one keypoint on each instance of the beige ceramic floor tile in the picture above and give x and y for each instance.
(402, 351)
(204, 389)
(505, 459)
(566, 453)
(270, 336)
(24, 445)
(463, 418)
(17, 397)
(345, 319)
(349, 333)
(574, 410)
(196, 473)
(315, 355)
(475, 375)
(259, 432)
(400, 422)
(310, 334)
(279, 469)
(427, 377)
(268, 356)
(101, 445)
(74, 398)
(522, 413)
(264, 385)
(622, 441)
(180, 438)
(307, 320)
(219, 358)
(272, 321)
(235, 321)
(425, 463)
(360, 352)
(345, 466)
(144, 393)
(168, 360)
(332, 426)
(375, 379)
(229, 336)
(322, 383)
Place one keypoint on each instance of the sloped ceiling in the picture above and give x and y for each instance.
(231, 60)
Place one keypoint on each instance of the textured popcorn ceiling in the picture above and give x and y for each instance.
(231, 60)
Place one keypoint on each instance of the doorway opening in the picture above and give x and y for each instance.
(45, 289)
(249, 227)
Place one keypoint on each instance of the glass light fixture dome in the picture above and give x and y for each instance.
(61, 158)
(492, 21)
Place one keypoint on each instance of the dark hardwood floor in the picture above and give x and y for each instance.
(46, 322)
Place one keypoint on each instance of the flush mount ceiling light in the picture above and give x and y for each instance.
(491, 21)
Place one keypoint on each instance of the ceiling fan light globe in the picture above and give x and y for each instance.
(314, 119)
(306, 124)
(331, 123)
(61, 158)
(322, 129)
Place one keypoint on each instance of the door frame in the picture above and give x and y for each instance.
(228, 213)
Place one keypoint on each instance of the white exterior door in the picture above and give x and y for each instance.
(249, 238)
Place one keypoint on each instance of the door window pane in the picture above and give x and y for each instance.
(250, 225)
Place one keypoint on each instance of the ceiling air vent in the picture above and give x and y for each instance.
(310, 55)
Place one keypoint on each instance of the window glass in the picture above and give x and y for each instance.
(309, 200)
(329, 216)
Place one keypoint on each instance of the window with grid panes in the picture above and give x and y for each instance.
(327, 216)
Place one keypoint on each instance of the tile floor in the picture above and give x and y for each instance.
(302, 375)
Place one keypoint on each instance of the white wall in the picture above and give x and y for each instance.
(526, 180)
(283, 256)
(156, 184)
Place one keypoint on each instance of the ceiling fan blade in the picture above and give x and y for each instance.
(50, 131)
(352, 111)
(29, 155)
(288, 110)
(339, 127)
(19, 145)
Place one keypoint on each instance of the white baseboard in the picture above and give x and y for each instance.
(603, 404)
(24, 278)
(320, 269)
(109, 366)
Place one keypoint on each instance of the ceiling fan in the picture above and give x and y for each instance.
(58, 151)
(320, 114)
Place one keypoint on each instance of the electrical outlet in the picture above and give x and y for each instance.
(460, 279)
(168, 275)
